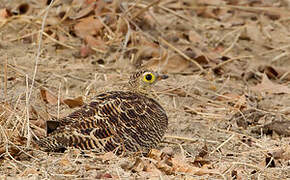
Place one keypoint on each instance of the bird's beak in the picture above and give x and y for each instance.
(162, 76)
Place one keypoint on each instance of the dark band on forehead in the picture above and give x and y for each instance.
(136, 75)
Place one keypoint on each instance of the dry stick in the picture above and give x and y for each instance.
(275, 49)
(58, 101)
(126, 40)
(6, 143)
(175, 13)
(243, 8)
(276, 58)
(28, 95)
(194, 140)
(182, 138)
(27, 114)
(145, 9)
(136, 4)
(222, 144)
(230, 33)
(107, 28)
(39, 48)
(258, 142)
(257, 9)
(24, 36)
(207, 115)
(5, 79)
(180, 53)
(20, 72)
(232, 45)
(56, 41)
(284, 75)
(231, 60)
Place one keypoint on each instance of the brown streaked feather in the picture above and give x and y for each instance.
(114, 121)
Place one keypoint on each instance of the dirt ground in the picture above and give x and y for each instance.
(227, 96)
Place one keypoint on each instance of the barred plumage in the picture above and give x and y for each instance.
(114, 121)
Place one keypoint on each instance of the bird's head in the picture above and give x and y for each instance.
(143, 80)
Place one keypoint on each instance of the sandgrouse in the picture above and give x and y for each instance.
(117, 121)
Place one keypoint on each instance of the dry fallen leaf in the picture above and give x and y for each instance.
(88, 26)
(51, 99)
(4, 14)
(238, 100)
(85, 50)
(48, 97)
(268, 86)
(280, 127)
(194, 37)
(5, 111)
(76, 102)
(286, 153)
(280, 153)
(95, 42)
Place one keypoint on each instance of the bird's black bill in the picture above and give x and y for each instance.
(163, 76)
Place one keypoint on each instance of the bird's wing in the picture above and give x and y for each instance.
(113, 121)
(91, 127)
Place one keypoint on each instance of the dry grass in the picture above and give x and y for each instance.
(216, 55)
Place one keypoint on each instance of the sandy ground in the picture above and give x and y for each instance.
(226, 97)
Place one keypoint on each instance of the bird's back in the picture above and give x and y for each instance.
(114, 121)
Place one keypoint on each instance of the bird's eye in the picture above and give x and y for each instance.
(149, 77)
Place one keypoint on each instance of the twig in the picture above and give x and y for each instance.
(279, 56)
(232, 45)
(231, 60)
(58, 101)
(284, 75)
(275, 49)
(186, 138)
(145, 9)
(57, 42)
(39, 49)
(180, 53)
(24, 36)
(175, 13)
(5, 79)
(27, 114)
(222, 144)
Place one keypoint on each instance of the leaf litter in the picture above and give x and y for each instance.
(227, 98)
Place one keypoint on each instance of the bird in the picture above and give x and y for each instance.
(115, 121)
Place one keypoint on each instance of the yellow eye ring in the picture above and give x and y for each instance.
(149, 77)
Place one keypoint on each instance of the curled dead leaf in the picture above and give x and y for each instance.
(88, 26)
(270, 87)
(48, 97)
(173, 64)
(95, 43)
(51, 99)
(76, 102)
